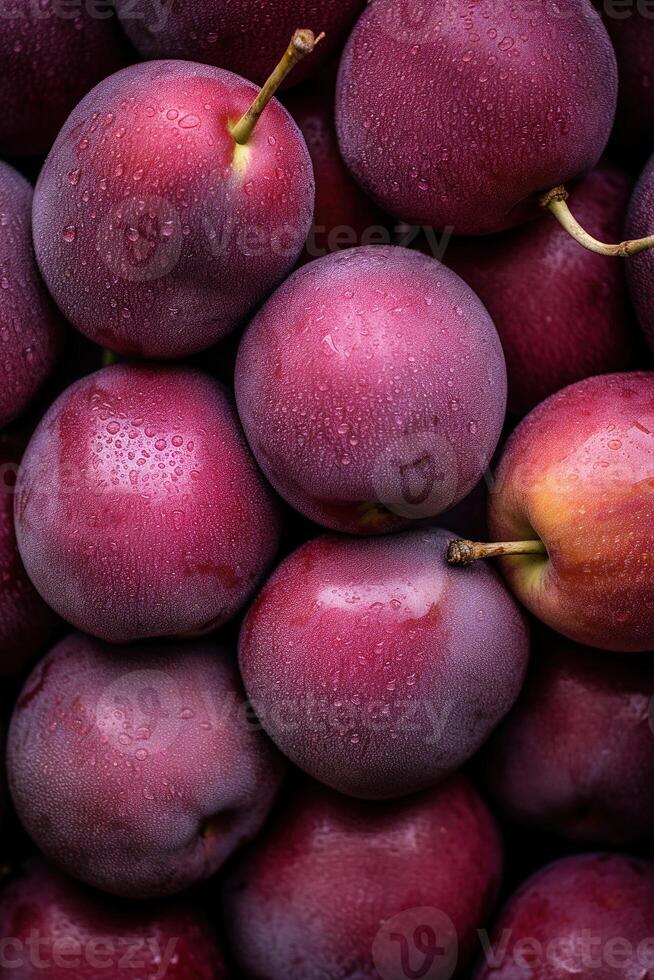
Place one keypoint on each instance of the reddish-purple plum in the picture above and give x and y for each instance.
(376, 667)
(587, 916)
(631, 29)
(561, 311)
(27, 624)
(244, 36)
(51, 55)
(52, 928)
(576, 755)
(461, 115)
(640, 222)
(372, 389)
(135, 769)
(139, 509)
(30, 327)
(344, 889)
(155, 230)
(343, 215)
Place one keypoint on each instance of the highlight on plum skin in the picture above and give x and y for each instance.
(372, 389)
(31, 328)
(378, 669)
(135, 769)
(139, 509)
(332, 886)
(84, 934)
(574, 757)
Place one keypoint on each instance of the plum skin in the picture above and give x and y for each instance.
(538, 286)
(567, 917)
(30, 326)
(133, 769)
(309, 898)
(27, 624)
(245, 36)
(396, 667)
(77, 926)
(154, 231)
(640, 268)
(139, 509)
(596, 784)
(577, 474)
(525, 101)
(38, 45)
(372, 389)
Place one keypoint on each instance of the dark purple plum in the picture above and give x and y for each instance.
(344, 889)
(134, 769)
(641, 267)
(587, 916)
(51, 54)
(244, 36)
(372, 389)
(156, 231)
(631, 29)
(576, 755)
(460, 115)
(30, 326)
(53, 928)
(139, 509)
(561, 311)
(376, 667)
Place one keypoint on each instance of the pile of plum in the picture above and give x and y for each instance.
(327, 490)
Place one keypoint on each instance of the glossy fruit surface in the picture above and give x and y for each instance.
(640, 268)
(139, 509)
(30, 327)
(588, 916)
(133, 769)
(51, 55)
(460, 115)
(372, 389)
(156, 232)
(562, 312)
(632, 34)
(84, 935)
(575, 756)
(343, 889)
(245, 36)
(577, 473)
(376, 667)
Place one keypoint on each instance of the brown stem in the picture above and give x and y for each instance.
(555, 201)
(302, 43)
(466, 552)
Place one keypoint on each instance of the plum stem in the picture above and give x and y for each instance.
(302, 43)
(555, 201)
(466, 552)
(109, 357)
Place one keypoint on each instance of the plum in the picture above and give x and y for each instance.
(30, 325)
(631, 29)
(241, 35)
(51, 55)
(156, 231)
(139, 509)
(343, 215)
(640, 222)
(462, 115)
(575, 756)
(372, 389)
(562, 312)
(378, 669)
(27, 624)
(135, 769)
(587, 916)
(54, 928)
(344, 889)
